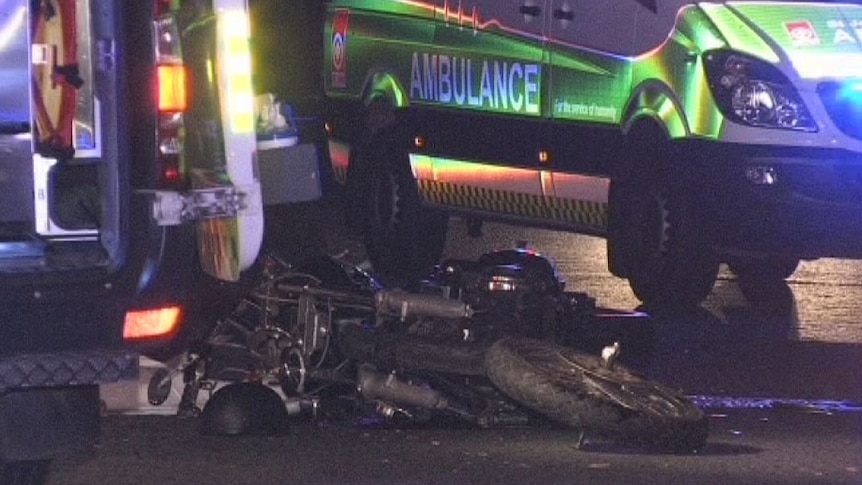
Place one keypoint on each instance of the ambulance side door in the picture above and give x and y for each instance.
(221, 149)
(495, 52)
(592, 45)
(590, 71)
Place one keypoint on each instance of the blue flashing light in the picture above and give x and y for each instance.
(851, 92)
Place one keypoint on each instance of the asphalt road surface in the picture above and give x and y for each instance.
(745, 447)
(777, 369)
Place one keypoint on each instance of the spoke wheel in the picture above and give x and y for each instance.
(577, 389)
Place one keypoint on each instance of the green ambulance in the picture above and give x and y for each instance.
(687, 134)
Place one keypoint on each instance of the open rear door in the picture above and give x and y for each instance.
(227, 246)
(16, 173)
(219, 141)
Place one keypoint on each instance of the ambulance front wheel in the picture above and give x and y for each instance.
(403, 239)
(655, 233)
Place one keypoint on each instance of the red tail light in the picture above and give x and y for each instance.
(163, 7)
(144, 324)
(172, 95)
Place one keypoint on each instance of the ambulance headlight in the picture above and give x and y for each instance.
(755, 93)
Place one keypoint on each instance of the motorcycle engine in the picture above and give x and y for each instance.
(513, 291)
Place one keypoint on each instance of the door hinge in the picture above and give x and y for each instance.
(175, 208)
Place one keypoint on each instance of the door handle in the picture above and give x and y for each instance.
(563, 14)
(530, 10)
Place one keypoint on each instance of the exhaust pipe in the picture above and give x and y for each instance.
(398, 302)
(375, 385)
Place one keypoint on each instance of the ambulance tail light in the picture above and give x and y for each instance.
(152, 323)
(172, 95)
(172, 88)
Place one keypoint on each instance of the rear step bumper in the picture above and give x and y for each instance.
(67, 368)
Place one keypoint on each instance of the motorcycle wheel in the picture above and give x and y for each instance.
(576, 389)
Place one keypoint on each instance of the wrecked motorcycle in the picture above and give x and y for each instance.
(487, 342)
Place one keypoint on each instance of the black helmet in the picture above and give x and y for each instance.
(244, 409)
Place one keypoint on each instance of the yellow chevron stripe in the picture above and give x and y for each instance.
(556, 209)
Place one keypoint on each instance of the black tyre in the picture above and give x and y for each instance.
(576, 389)
(656, 232)
(34, 472)
(403, 239)
(764, 268)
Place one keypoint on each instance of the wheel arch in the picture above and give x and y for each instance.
(382, 93)
(384, 85)
(653, 106)
(656, 101)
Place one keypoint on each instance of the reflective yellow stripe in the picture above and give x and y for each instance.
(236, 59)
(548, 208)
